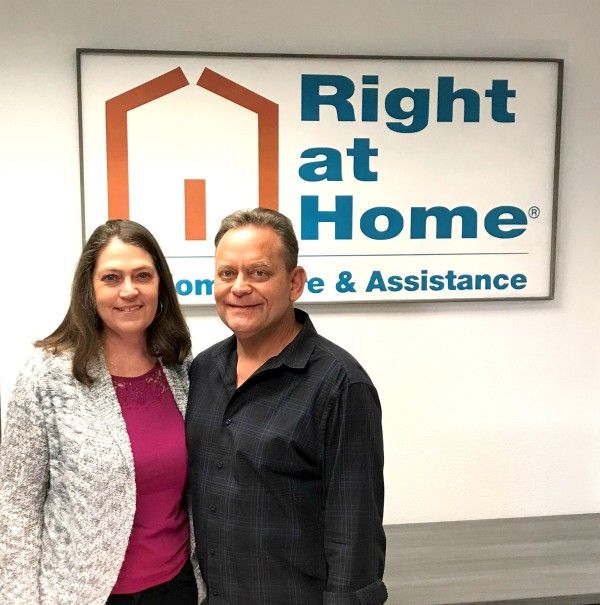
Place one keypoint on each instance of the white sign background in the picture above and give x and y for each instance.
(194, 134)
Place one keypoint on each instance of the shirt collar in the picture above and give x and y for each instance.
(295, 355)
(298, 352)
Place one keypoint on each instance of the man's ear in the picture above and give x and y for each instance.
(297, 281)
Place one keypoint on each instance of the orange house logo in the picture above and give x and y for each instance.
(117, 158)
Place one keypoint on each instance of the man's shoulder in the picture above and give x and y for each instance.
(216, 351)
(339, 360)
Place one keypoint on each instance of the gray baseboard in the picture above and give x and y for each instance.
(531, 560)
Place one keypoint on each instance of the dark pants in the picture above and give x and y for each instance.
(181, 590)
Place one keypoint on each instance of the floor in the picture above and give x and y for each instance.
(533, 561)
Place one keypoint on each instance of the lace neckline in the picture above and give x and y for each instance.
(143, 377)
(141, 390)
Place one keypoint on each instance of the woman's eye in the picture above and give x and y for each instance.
(145, 276)
(110, 278)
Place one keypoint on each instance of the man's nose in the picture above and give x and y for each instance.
(240, 285)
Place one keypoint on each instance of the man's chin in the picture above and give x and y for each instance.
(239, 326)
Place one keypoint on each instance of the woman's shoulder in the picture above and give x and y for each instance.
(46, 363)
(181, 369)
(40, 373)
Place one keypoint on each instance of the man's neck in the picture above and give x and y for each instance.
(253, 352)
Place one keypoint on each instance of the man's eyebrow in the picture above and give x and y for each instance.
(259, 264)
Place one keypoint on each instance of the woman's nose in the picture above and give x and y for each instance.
(128, 288)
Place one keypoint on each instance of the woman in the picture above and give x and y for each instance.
(93, 461)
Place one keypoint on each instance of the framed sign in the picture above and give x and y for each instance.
(407, 179)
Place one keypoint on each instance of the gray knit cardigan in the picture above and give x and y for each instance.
(67, 485)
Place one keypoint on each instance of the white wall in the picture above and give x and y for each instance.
(490, 409)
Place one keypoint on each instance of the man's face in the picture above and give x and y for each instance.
(254, 290)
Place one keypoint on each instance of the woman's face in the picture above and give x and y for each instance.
(125, 285)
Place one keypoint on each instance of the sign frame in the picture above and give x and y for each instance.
(265, 184)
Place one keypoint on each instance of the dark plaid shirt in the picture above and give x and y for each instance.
(286, 476)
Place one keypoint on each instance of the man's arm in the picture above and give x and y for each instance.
(354, 538)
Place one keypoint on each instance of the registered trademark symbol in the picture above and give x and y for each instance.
(534, 212)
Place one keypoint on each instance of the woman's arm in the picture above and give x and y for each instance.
(24, 475)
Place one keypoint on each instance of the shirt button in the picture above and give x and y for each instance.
(213, 508)
(220, 464)
(228, 422)
(215, 593)
(211, 552)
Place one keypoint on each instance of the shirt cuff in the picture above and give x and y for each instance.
(373, 594)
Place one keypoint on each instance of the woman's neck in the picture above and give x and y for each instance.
(127, 356)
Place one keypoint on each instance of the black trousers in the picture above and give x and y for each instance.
(181, 590)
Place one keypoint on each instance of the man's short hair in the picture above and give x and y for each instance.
(264, 217)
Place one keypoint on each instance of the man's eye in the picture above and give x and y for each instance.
(261, 273)
(225, 274)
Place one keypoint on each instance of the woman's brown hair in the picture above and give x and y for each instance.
(167, 337)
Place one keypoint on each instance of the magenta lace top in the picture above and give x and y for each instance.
(158, 545)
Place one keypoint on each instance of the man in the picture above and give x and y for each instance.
(284, 439)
